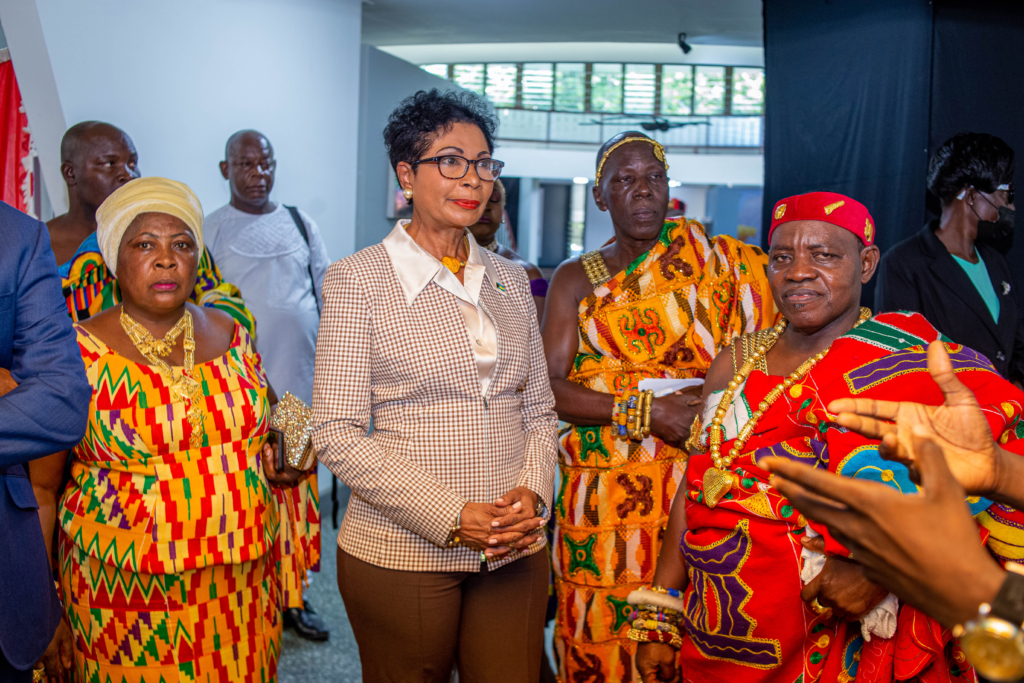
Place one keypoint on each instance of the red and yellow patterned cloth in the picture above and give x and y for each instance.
(744, 617)
(90, 288)
(167, 552)
(667, 315)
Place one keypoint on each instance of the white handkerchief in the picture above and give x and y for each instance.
(664, 387)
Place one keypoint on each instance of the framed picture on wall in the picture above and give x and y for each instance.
(398, 206)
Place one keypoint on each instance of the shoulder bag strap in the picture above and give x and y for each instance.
(305, 236)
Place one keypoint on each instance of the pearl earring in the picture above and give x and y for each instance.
(407, 193)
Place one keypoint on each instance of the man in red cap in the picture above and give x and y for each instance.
(763, 594)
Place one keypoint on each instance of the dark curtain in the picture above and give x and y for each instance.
(978, 83)
(847, 106)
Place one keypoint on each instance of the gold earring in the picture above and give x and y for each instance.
(407, 193)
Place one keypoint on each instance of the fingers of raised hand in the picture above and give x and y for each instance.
(941, 370)
(838, 492)
(865, 407)
(865, 426)
(935, 476)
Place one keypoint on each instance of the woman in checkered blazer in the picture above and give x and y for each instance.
(440, 554)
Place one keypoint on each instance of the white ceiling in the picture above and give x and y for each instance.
(427, 22)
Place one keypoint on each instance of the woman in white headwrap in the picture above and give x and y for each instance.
(166, 529)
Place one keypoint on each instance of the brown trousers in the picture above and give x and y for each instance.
(414, 627)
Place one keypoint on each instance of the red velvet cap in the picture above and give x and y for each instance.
(830, 207)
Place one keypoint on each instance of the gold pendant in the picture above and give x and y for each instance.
(451, 264)
(717, 483)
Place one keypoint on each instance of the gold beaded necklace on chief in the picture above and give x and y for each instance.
(718, 479)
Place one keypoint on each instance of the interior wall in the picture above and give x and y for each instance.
(181, 77)
(385, 80)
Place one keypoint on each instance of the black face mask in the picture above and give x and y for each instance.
(998, 234)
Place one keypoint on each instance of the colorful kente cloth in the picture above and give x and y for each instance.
(666, 315)
(298, 541)
(744, 617)
(90, 288)
(167, 562)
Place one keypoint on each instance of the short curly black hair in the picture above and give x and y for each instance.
(422, 117)
(977, 159)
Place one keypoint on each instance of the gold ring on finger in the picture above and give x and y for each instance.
(820, 609)
(39, 674)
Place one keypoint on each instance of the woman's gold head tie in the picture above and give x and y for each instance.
(659, 153)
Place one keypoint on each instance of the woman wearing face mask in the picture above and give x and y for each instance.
(954, 271)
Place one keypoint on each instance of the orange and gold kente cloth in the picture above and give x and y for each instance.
(666, 316)
(167, 552)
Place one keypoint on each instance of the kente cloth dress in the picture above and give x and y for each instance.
(744, 617)
(667, 315)
(167, 567)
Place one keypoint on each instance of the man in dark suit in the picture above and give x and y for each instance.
(43, 411)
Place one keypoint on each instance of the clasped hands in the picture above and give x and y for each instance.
(509, 523)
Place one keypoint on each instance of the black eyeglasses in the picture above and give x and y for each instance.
(456, 167)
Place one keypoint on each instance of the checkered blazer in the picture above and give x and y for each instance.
(437, 443)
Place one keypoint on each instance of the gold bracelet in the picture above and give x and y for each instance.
(647, 413)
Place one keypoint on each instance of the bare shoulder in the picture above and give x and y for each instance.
(570, 281)
(101, 323)
(214, 326)
(720, 373)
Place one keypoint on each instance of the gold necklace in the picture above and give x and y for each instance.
(185, 388)
(718, 479)
(455, 265)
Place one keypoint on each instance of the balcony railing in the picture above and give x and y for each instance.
(701, 131)
(722, 106)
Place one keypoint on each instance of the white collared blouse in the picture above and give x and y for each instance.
(419, 268)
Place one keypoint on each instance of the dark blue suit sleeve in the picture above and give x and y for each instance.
(48, 411)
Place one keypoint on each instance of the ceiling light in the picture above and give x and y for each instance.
(674, 183)
(683, 45)
(580, 180)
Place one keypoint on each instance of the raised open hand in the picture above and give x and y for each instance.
(958, 427)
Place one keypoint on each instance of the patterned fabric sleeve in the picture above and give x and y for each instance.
(539, 419)
(211, 290)
(752, 306)
(396, 486)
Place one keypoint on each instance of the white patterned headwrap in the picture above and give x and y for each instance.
(145, 195)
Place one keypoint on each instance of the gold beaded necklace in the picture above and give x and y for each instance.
(455, 265)
(185, 388)
(718, 479)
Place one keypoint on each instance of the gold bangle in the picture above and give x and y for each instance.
(647, 413)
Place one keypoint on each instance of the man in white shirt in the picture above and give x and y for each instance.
(274, 255)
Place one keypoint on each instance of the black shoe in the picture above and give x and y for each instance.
(307, 623)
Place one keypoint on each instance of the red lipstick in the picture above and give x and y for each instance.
(468, 204)
(165, 286)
